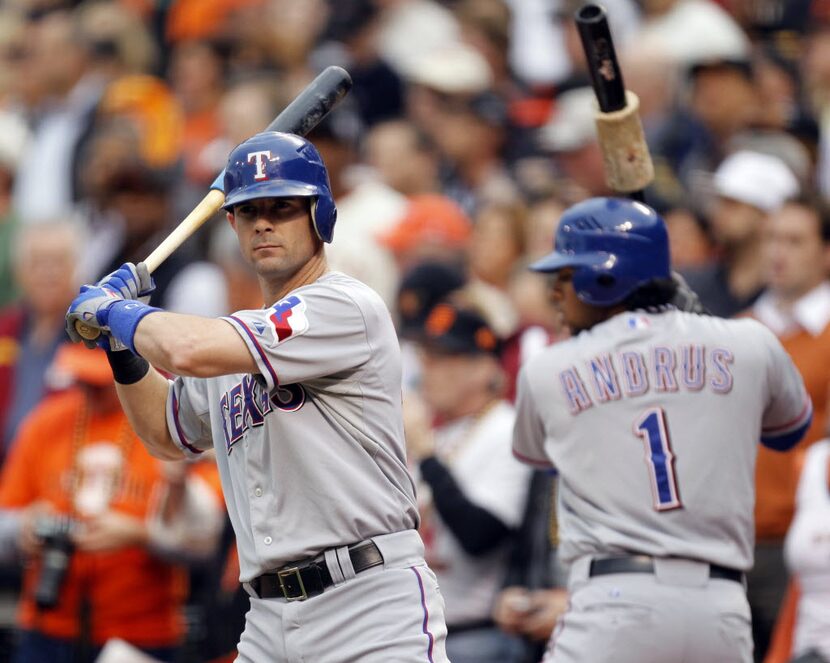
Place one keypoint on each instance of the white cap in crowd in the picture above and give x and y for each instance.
(761, 180)
(453, 69)
(571, 124)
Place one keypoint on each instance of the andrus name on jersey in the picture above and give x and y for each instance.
(660, 368)
(247, 404)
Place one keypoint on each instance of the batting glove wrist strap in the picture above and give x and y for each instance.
(123, 319)
(130, 282)
(127, 368)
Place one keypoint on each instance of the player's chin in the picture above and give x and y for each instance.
(273, 266)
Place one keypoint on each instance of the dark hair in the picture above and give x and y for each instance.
(657, 292)
(741, 66)
(818, 206)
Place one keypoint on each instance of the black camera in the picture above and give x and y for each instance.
(56, 534)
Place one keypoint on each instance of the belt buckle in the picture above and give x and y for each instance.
(284, 574)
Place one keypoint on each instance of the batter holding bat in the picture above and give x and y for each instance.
(651, 416)
(301, 401)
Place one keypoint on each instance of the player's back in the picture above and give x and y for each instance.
(653, 420)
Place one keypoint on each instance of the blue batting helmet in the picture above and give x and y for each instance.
(277, 165)
(614, 246)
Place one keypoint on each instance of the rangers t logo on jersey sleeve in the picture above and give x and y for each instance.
(288, 318)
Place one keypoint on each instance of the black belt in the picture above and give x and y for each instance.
(300, 580)
(644, 564)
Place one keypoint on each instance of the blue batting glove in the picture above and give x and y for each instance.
(115, 317)
(130, 282)
(91, 308)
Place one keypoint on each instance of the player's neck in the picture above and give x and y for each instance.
(274, 290)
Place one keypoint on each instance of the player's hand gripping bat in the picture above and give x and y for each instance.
(628, 167)
(304, 113)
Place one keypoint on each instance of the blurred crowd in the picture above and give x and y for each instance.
(468, 131)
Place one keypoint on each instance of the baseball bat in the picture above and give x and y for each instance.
(628, 166)
(304, 113)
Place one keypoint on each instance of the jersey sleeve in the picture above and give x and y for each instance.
(322, 331)
(529, 430)
(789, 410)
(188, 416)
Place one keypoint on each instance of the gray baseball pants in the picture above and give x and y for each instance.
(388, 613)
(675, 615)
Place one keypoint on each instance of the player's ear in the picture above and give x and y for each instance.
(231, 219)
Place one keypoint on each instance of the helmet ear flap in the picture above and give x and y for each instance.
(598, 288)
(323, 216)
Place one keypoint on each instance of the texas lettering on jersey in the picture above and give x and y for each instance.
(628, 374)
(247, 404)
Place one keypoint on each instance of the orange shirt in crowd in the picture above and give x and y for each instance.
(131, 594)
(776, 473)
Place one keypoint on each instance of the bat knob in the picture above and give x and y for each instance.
(87, 332)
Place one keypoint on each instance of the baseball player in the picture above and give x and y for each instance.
(302, 402)
(651, 416)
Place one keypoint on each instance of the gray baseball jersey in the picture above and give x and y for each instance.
(653, 421)
(310, 450)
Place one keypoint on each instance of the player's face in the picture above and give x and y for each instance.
(794, 254)
(575, 314)
(275, 235)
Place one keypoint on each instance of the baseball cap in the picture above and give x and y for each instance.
(429, 218)
(74, 363)
(456, 330)
(571, 123)
(421, 288)
(455, 68)
(761, 180)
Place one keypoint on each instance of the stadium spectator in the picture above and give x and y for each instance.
(473, 490)
(365, 205)
(97, 520)
(533, 597)
(570, 137)
(801, 633)
(68, 59)
(403, 157)
(796, 307)
(196, 74)
(749, 186)
(45, 257)
(422, 287)
(13, 137)
(721, 102)
(432, 227)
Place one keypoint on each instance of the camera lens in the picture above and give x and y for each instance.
(57, 552)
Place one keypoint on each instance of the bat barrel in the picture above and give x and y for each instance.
(606, 76)
(308, 109)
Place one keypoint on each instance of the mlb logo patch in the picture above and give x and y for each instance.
(288, 318)
(638, 322)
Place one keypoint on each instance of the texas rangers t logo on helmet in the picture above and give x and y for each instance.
(260, 159)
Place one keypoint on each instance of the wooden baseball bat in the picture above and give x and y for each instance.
(304, 113)
(628, 166)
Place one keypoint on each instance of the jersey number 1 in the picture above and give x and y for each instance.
(652, 429)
